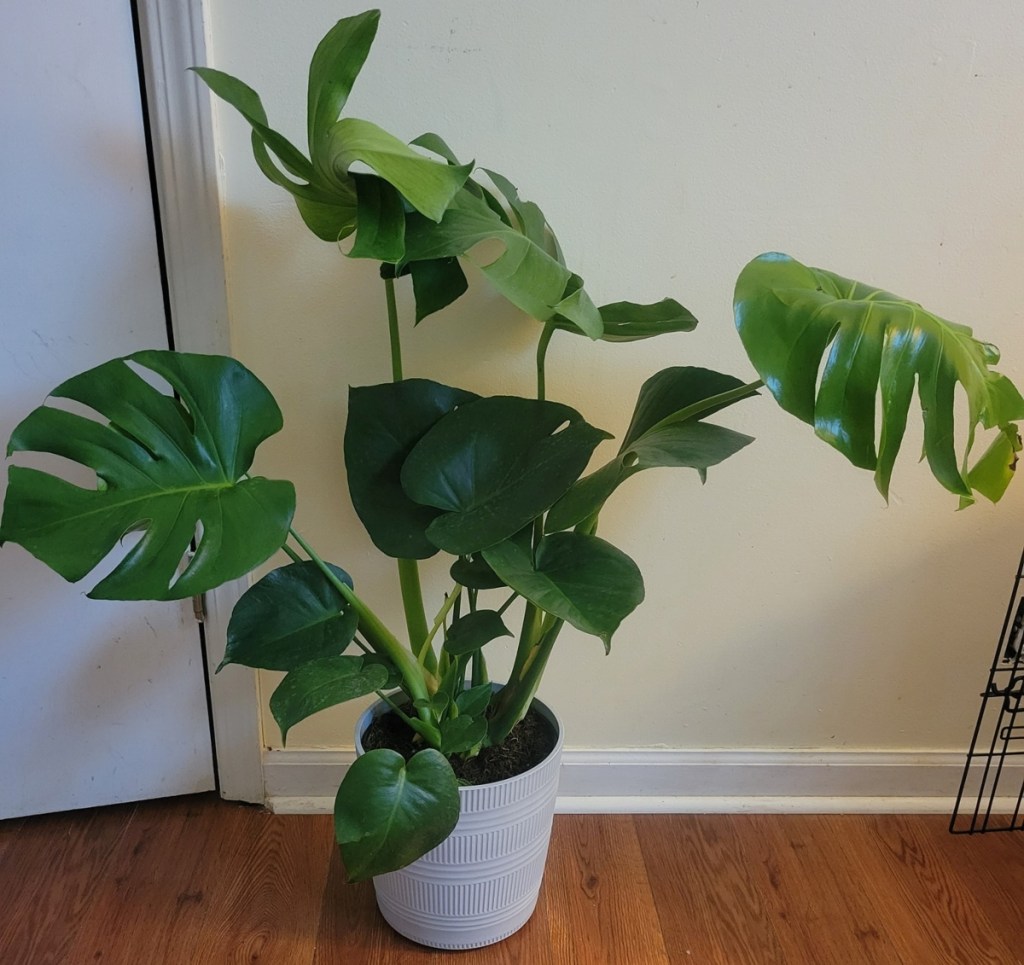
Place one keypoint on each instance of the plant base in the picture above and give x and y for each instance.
(480, 885)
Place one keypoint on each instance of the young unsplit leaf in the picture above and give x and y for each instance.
(290, 616)
(472, 631)
(460, 734)
(388, 813)
(163, 467)
(493, 465)
(474, 573)
(317, 684)
(666, 430)
(384, 424)
(581, 579)
(875, 345)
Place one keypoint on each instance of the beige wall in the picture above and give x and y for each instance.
(669, 143)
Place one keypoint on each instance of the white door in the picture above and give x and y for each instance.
(99, 702)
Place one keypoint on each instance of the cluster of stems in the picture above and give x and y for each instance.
(420, 666)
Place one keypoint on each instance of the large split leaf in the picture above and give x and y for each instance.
(290, 616)
(325, 191)
(829, 348)
(493, 465)
(384, 423)
(321, 683)
(389, 813)
(667, 429)
(526, 273)
(581, 579)
(163, 467)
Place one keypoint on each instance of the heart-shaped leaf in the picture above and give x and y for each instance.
(495, 464)
(289, 617)
(164, 467)
(472, 631)
(460, 734)
(473, 702)
(388, 813)
(474, 573)
(868, 344)
(581, 579)
(321, 683)
(384, 424)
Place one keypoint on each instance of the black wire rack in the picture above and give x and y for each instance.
(992, 788)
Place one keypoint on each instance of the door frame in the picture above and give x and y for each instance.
(172, 38)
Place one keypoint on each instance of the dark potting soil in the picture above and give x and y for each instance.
(531, 740)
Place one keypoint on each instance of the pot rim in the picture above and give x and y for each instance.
(379, 707)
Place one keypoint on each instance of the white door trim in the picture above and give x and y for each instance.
(172, 40)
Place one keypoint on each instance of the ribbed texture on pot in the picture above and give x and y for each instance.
(480, 885)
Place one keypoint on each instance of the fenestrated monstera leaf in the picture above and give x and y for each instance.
(630, 321)
(163, 467)
(526, 272)
(666, 430)
(330, 200)
(867, 343)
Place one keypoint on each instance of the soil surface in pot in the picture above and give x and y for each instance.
(531, 740)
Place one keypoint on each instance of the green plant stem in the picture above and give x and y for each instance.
(295, 558)
(441, 614)
(417, 681)
(415, 616)
(408, 570)
(519, 692)
(542, 351)
(393, 332)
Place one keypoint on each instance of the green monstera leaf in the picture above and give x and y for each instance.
(388, 813)
(579, 578)
(667, 429)
(493, 465)
(871, 345)
(290, 616)
(332, 200)
(385, 422)
(174, 470)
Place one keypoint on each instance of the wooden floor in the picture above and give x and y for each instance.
(197, 880)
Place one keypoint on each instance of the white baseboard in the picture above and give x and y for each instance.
(628, 780)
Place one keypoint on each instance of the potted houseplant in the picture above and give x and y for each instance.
(499, 483)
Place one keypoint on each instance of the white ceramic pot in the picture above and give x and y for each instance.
(479, 885)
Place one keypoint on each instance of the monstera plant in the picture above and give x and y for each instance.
(500, 484)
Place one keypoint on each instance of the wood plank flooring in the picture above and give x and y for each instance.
(197, 880)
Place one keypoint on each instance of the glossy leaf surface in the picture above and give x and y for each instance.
(869, 346)
(666, 430)
(582, 579)
(388, 813)
(493, 465)
(384, 424)
(524, 272)
(630, 321)
(474, 630)
(290, 616)
(321, 683)
(164, 468)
